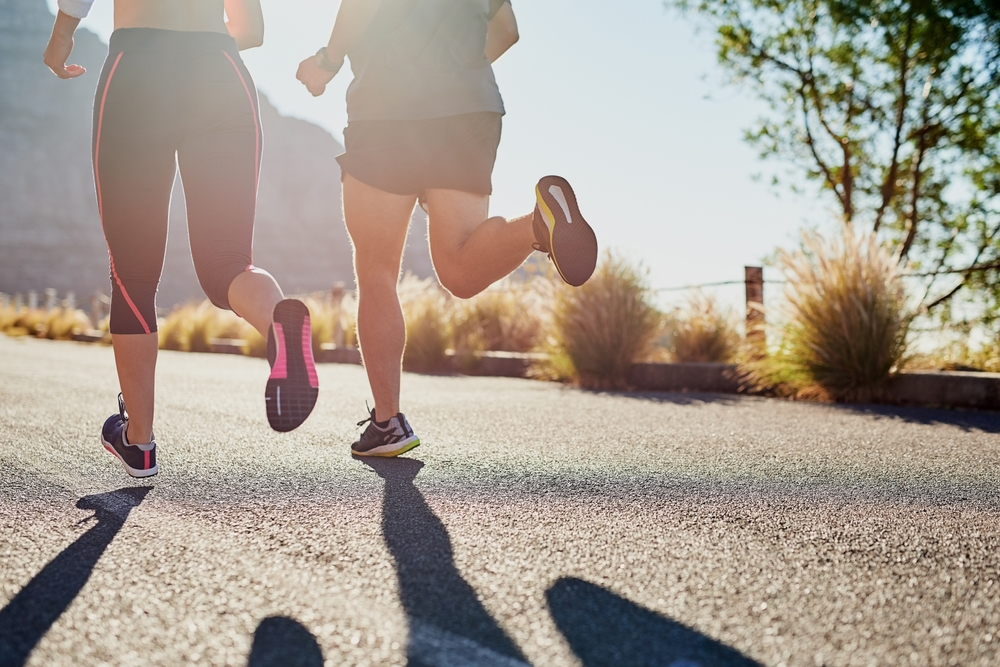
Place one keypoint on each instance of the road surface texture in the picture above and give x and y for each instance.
(536, 524)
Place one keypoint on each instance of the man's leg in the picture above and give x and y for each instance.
(377, 222)
(470, 250)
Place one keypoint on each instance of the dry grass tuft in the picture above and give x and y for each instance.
(504, 318)
(333, 322)
(600, 329)
(192, 327)
(64, 323)
(845, 325)
(425, 311)
(702, 331)
(57, 324)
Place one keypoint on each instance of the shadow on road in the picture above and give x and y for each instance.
(42, 601)
(448, 624)
(673, 397)
(603, 628)
(967, 420)
(280, 641)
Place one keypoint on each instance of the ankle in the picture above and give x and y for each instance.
(135, 433)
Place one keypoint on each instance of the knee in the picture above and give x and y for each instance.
(457, 283)
(217, 275)
(133, 305)
(374, 272)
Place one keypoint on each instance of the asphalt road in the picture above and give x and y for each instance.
(536, 524)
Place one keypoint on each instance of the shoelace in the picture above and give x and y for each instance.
(371, 416)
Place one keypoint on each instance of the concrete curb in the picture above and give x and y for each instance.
(706, 377)
(495, 364)
(338, 355)
(947, 389)
(951, 389)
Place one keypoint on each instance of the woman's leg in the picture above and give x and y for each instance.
(220, 165)
(377, 222)
(135, 358)
(134, 167)
(253, 295)
(220, 162)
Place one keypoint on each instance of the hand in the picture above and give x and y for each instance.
(313, 76)
(55, 57)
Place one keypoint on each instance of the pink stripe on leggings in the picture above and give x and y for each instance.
(256, 122)
(100, 199)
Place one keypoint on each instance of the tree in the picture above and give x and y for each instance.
(893, 108)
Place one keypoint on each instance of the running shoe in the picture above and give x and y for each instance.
(389, 438)
(139, 460)
(562, 233)
(293, 385)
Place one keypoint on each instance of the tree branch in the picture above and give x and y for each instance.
(889, 185)
(913, 221)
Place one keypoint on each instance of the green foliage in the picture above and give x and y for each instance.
(600, 329)
(844, 330)
(893, 108)
(960, 355)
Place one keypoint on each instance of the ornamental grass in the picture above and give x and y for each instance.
(702, 331)
(56, 324)
(425, 312)
(843, 329)
(598, 331)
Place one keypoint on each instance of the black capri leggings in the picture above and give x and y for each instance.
(167, 98)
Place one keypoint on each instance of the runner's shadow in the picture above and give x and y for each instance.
(280, 641)
(26, 619)
(448, 623)
(603, 628)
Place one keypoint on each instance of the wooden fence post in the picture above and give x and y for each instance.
(755, 334)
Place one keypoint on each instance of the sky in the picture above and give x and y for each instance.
(629, 104)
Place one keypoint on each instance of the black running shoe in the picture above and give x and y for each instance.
(293, 385)
(139, 460)
(562, 233)
(390, 438)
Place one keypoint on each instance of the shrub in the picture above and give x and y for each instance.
(504, 318)
(702, 331)
(844, 330)
(325, 314)
(64, 323)
(174, 330)
(192, 327)
(57, 324)
(600, 329)
(425, 312)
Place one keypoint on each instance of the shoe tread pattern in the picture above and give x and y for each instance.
(574, 245)
(297, 395)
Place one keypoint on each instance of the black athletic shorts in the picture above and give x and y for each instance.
(407, 157)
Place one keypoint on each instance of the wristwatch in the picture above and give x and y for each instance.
(324, 62)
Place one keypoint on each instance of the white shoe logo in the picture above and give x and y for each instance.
(560, 198)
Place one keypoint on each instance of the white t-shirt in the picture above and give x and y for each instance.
(75, 8)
